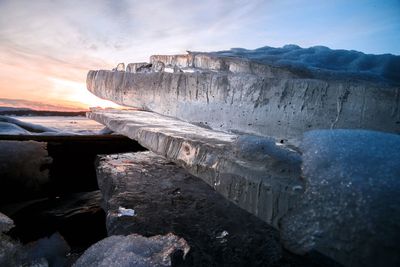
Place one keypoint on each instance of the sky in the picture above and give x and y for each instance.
(48, 46)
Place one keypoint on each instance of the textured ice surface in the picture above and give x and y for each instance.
(240, 95)
(386, 67)
(257, 148)
(133, 250)
(252, 171)
(351, 207)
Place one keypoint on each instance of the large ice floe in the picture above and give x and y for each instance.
(277, 92)
(305, 139)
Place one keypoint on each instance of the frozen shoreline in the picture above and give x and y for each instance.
(50, 125)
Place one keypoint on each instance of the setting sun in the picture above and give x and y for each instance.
(76, 93)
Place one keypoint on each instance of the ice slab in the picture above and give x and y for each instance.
(265, 181)
(243, 96)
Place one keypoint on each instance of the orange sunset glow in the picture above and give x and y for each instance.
(45, 83)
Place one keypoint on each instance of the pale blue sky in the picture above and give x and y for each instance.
(55, 42)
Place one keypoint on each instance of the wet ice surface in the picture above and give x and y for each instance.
(351, 205)
(49, 125)
(256, 148)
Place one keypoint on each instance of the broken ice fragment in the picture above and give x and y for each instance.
(158, 66)
(120, 67)
(223, 234)
(297, 188)
(222, 237)
(126, 212)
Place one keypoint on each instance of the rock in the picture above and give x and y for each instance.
(264, 182)
(23, 168)
(5, 223)
(67, 214)
(44, 252)
(52, 250)
(133, 250)
(8, 247)
(42, 262)
(165, 198)
(35, 166)
(9, 251)
(242, 95)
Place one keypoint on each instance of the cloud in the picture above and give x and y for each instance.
(66, 30)
(45, 41)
